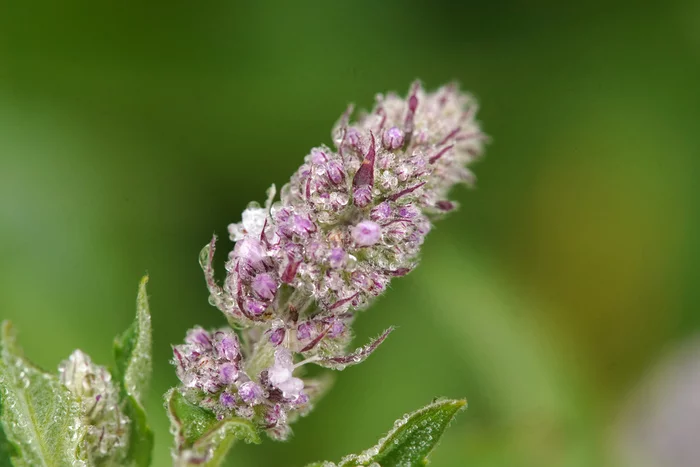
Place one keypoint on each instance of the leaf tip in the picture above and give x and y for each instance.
(7, 328)
(460, 403)
(452, 406)
(8, 335)
(142, 284)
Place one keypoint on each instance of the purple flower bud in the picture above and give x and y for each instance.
(210, 385)
(366, 233)
(304, 331)
(283, 215)
(397, 230)
(445, 205)
(337, 258)
(198, 336)
(264, 286)
(227, 400)
(274, 415)
(277, 336)
(334, 170)
(250, 250)
(303, 399)
(250, 392)
(393, 138)
(360, 280)
(353, 139)
(381, 211)
(255, 307)
(408, 211)
(337, 328)
(303, 225)
(228, 373)
(226, 346)
(318, 157)
(362, 196)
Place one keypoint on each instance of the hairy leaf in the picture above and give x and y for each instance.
(358, 356)
(132, 355)
(132, 350)
(206, 260)
(140, 436)
(40, 417)
(410, 441)
(7, 451)
(201, 439)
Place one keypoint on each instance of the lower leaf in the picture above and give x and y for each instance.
(40, 417)
(408, 444)
(7, 450)
(201, 439)
(141, 436)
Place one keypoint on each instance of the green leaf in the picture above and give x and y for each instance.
(416, 434)
(132, 350)
(40, 417)
(201, 439)
(7, 451)
(132, 355)
(140, 436)
(410, 441)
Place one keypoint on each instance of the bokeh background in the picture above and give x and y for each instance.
(131, 131)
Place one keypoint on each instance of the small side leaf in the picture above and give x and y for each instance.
(415, 435)
(132, 350)
(358, 356)
(40, 417)
(206, 260)
(201, 439)
(132, 355)
(140, 436)
(410, 441)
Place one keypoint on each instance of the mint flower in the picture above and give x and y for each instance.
(349, 220)
(280, 375)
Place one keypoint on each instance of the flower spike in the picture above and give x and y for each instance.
(351, 218)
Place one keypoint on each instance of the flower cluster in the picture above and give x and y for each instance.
(349, 220)
(108, 427)
(215, 375)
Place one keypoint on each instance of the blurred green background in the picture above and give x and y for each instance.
(131, 131)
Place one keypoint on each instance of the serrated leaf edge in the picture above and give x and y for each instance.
(368, 455)
(132, 386)
(8, 349)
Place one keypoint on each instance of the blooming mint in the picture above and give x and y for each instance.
(366, 233)
(250, 392)
(350, 219)
(280, 375)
